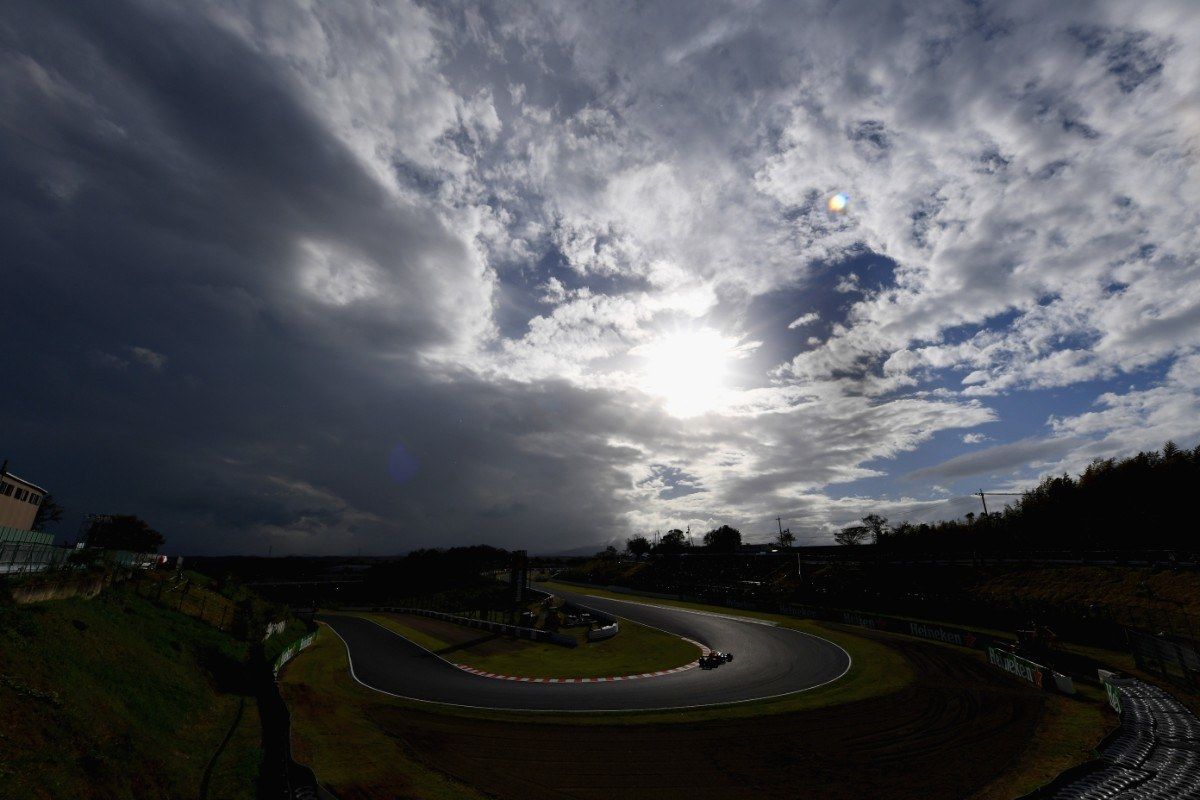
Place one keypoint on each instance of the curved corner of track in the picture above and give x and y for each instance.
(770, 662)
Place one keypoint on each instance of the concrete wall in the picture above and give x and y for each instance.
(19, 501)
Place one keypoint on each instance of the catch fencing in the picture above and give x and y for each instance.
(22, 557)
(1173, 657)
(181, 594)
(28, 551)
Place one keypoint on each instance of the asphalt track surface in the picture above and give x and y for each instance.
(768, 662)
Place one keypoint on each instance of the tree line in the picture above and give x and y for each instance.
(1142, 501)
(724, 539)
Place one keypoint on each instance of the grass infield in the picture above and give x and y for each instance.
(636, 649)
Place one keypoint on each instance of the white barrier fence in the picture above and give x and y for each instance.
(606, 632)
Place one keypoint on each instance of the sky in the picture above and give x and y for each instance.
(304, 277)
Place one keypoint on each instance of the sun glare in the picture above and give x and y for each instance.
(688, 370)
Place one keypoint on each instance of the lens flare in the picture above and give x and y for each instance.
(402, 464)
(838, 202)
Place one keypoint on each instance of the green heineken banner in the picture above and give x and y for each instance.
(1021, 667)
(1114, 694)
(292, 650)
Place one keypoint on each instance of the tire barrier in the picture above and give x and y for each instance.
(1154, 755)
(533, 634)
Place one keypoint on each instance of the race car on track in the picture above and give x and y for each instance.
(714, 659)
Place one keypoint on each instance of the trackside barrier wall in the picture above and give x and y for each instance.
(1029, 671)
(1023, 668)
(274, 628)
(1154, 755)
(606, 632)
(609, 629)
(292, 650)
(496, 627)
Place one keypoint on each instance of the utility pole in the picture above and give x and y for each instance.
(779, 522)
(982, 495)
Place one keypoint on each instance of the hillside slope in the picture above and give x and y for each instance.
(116, 697)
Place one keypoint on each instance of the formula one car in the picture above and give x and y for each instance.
(714, 659)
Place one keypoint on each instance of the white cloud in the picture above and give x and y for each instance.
(804, 319)
(554, 189)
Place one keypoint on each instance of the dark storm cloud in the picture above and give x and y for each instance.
(341, 276)
(162, 354)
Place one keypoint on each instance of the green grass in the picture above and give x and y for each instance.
(1067, 735)
(636, 649)
(334, 733)
(875, 670)
(292, 633)
(116, 697)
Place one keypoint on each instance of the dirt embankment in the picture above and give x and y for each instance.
(945, 736)
(40, 589)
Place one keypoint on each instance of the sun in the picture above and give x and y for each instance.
(688, 370)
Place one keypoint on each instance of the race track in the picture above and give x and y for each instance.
(768, 662)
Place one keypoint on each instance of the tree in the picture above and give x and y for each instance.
(638, 546)
(47, 513)
(723, 539)
(877, 526)
(855, 534)
(786, 538)
(124, 532)
(672, 542)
